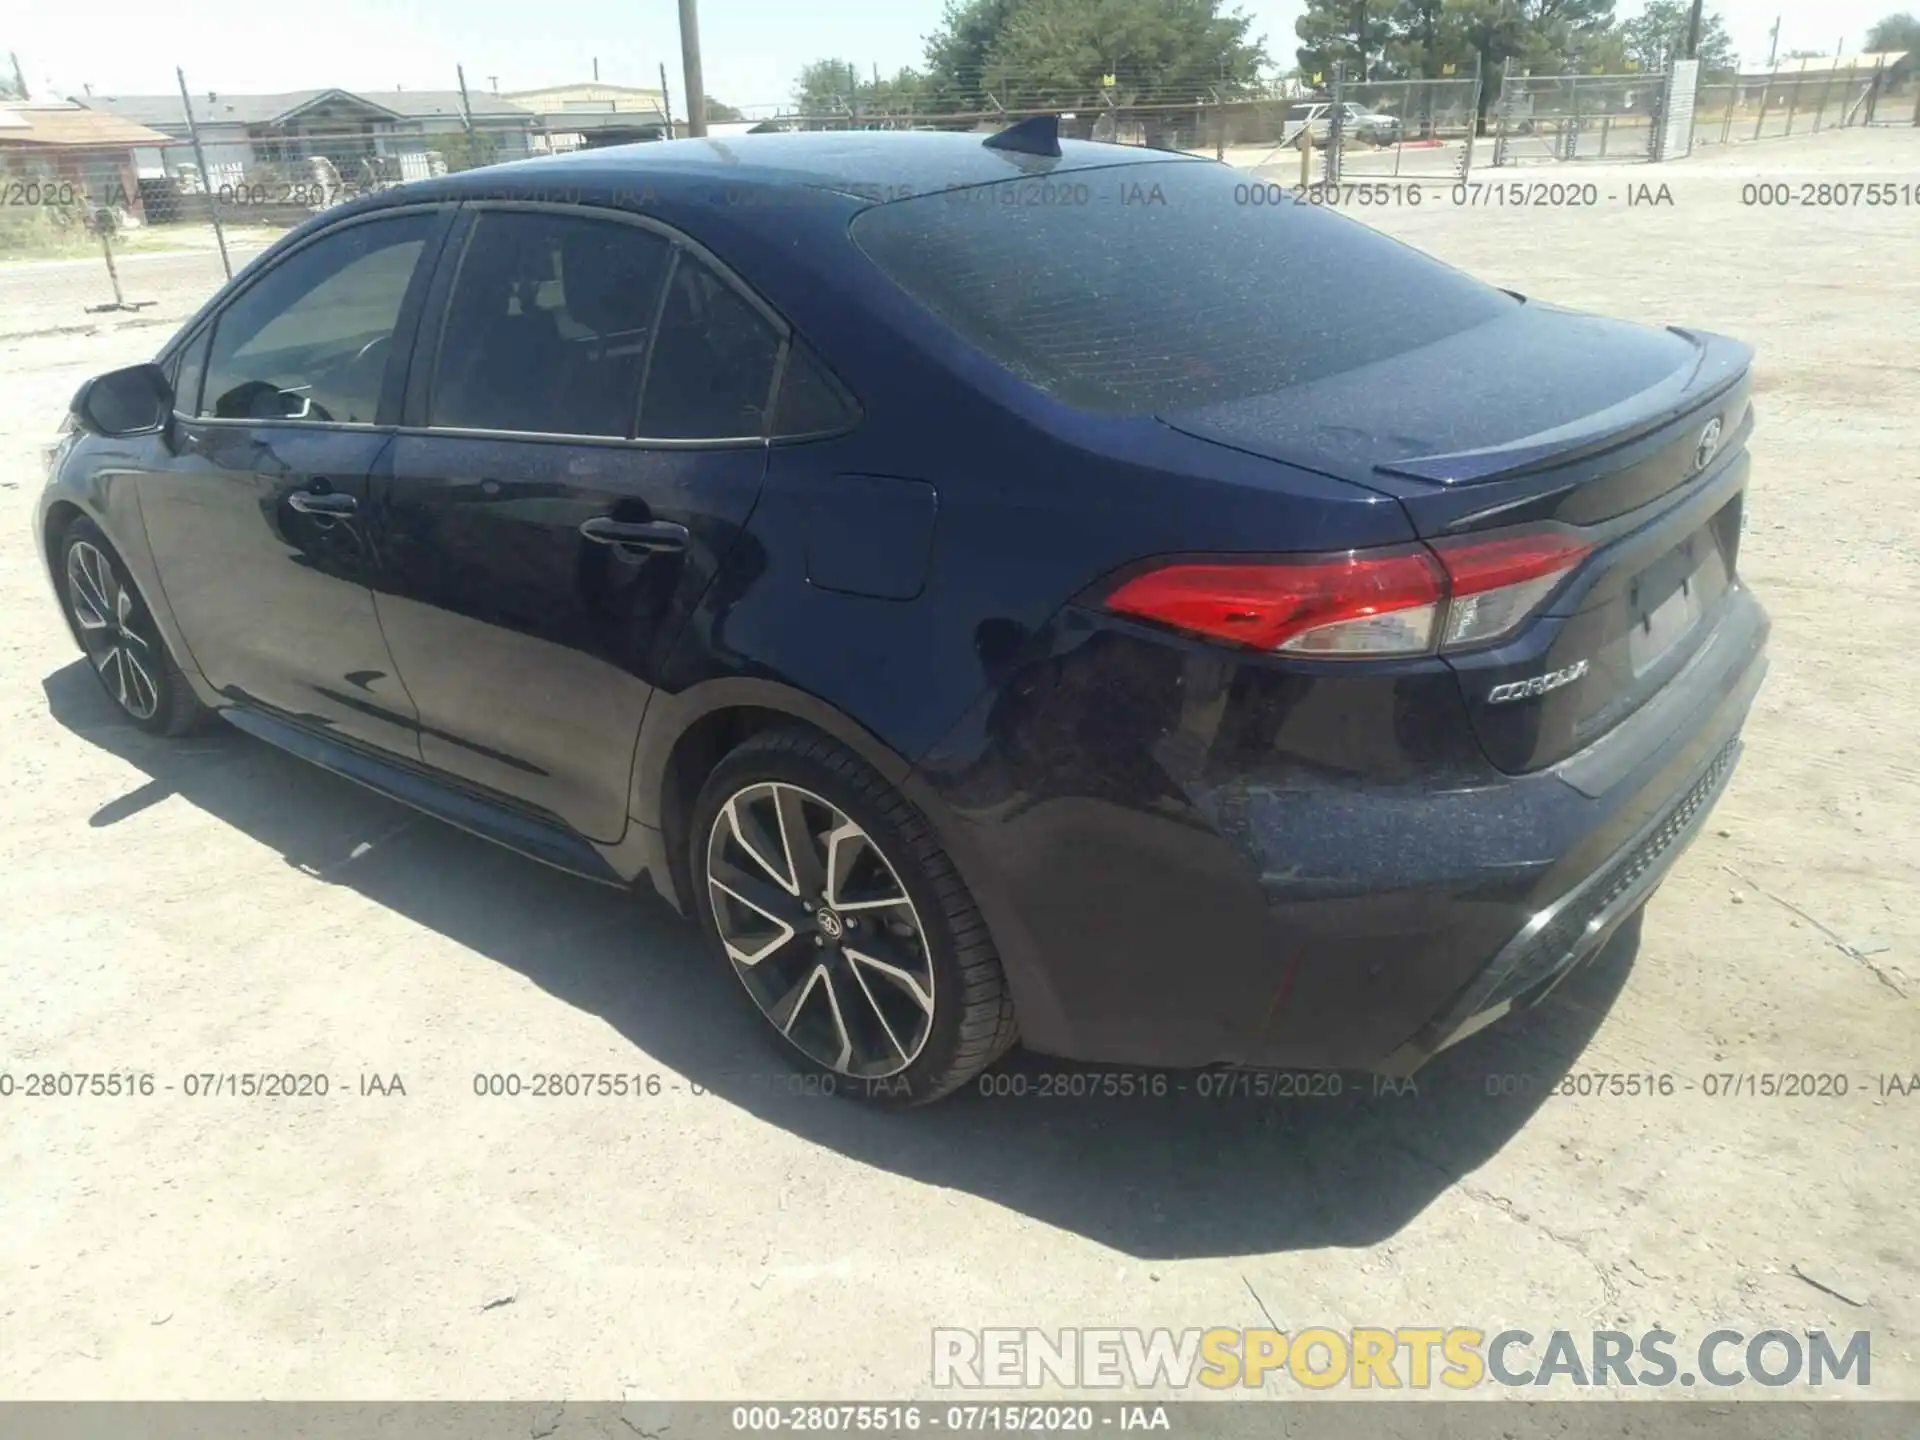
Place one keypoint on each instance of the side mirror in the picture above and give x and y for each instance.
(124, 402)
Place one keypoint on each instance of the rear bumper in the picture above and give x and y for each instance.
(1304, 916)
(1573, 928)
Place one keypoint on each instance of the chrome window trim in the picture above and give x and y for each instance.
(227, 422)
(725, 442)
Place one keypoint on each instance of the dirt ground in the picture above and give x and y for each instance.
(215, 906)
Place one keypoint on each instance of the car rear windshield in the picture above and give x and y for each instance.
(1148, 288)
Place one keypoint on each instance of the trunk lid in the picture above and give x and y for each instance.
(1633, 436)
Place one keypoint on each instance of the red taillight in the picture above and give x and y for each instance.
(1364, 603)
(1494, 583)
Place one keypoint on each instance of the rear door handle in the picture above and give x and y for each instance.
(637, 534)
(330, 503)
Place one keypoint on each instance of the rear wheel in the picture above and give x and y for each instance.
(827, 894)
(123, 645)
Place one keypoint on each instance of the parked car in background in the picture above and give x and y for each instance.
(989, 614)
(1358, 123)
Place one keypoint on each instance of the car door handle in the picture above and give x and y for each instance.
(330, 504)
(638, 534)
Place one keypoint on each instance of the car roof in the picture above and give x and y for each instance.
(892, 163)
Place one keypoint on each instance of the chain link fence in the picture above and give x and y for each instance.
(1420, 129)
(1577, 117)
(1801, 100)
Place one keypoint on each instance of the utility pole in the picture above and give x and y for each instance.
(666, 100)
(19, 80)
(690, 62)
(466, 110)
(206, 180)
(1773, 42)
(1693, 30)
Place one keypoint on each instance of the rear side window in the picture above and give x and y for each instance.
(712, 367)
(1170, 289)
(311, 339)
(810, 400)
(548, 325)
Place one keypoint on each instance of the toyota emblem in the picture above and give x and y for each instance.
(1708, 444)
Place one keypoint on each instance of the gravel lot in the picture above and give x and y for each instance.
(215, 906)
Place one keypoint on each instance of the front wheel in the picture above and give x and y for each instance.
(123, 644)
(829, 897)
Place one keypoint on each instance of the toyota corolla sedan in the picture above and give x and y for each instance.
(1000, 589)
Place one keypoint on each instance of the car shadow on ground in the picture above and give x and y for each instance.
(1207, 1168)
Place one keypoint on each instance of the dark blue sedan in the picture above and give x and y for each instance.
(1002, 588)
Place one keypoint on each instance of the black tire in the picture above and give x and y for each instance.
(972, 1019)
(151, 693)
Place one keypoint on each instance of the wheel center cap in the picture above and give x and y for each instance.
(828, 922)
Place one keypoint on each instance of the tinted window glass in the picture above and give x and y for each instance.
(713, 365)
(809, 402)
(1169, 289)
(189, 366)
(548, 325)
(310, 340)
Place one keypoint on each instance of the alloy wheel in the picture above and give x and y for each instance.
(111, 621)
(820, 930)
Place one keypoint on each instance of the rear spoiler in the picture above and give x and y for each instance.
(1719, 365)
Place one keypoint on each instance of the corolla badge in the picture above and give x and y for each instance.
(1538, 685)
(1707, 446)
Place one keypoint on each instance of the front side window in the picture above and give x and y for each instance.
(189, 366)
(311, 339)
(548, 325)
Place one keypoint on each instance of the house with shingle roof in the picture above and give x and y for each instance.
(66, 156)
(346, 127)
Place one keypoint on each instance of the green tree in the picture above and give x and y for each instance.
(835, 88)
(1359, 33)
(1559, 32)
(1601, 53)
(720, 112)
(1495, 31)
(903, 94)
(827, 87)
(1060, 51)
(1895, 32)
(1659, 34)
(957, 52)
(1423, 39)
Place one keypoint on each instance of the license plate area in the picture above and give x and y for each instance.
(1666, 601)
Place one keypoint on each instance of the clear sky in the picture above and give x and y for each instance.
(752, 48)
